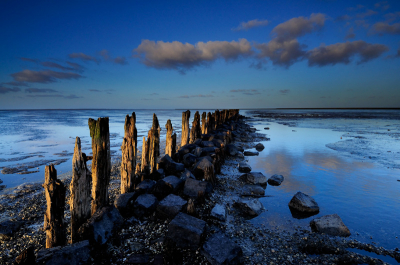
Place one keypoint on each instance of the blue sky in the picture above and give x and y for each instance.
(199, 54)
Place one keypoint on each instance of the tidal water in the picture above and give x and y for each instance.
(349, 165)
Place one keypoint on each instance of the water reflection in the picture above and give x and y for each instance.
(365, 195)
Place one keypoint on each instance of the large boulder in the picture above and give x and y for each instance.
(170, 206)
(167, 186)
(145, 205)
(74, 254)
(217, 142)
(250, 153)
(124, 203)
(189, 159)
(204, 169)
(8, 228)
(195, 188)
(251, 189)
(231, 150)
(244, 167)
(207, 144)
(174, 183)
(275, 180)
(259, 147)
(145, 186)
(219, 212)
(198, 152)
(185, 231)
(187, 174)
(170, 166)
(219, 249)
(101, 226)
(249, 207)
(330, 224)
(303, 203)
(256, 178)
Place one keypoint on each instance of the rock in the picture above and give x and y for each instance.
(304, 203)
(139, 259)
(185, 231)
(207, 144)
(74, 254)
(166, 186)
(275, 180)
(204, 169)
(170, 206)
(250, 207)
(198, 152)
(8, 228)
(244, 167)
(101, 226)
(330, 224)
(231, 150)
(256, 178)
(187, 174)
(145, 205)
(124, 203)
(174, 182)
(145, 186)
(189, 159)
(195, 189)
(198, 142)
(217, 142)
(266, 128)
(250, 153)
(219, 212)
(171, 167)
(208, 150)
(219, 249)
(253, 190)
(259, 147)
(27, 257)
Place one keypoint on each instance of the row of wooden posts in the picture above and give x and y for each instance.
(89, 190)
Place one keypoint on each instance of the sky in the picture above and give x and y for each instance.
(199, 54)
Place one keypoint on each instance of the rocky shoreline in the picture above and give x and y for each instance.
(146, 239)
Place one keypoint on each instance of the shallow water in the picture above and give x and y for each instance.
(362, 191)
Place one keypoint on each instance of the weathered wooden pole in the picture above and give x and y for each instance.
(101, 164)
(54, 216)
(170, 143)
(80, 191)
(210, 123)
(145, 156)
(128, 162)
(216, 119)
(195, 133)
(154, 136)
(185, 127)
(203, 122)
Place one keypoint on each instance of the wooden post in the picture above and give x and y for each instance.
(185, 127)
(203, 122)
(210, 123)
(128, 162)
(216, 119)
(101, 164)
(170, 146)
(195, 133)
(80, 191)
(145, 156)
(54, 216)
(154, 136)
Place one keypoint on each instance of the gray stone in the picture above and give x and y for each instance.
(204, 169)
(253, 190)
(331, 225)
(275, 180)
(170, 166)
(139, 259)
(231, 150)
(124, 203)
(219, 249)
(187, 174)
(303, 203)
(209, 150)
(256, 178)
(244, 167)
(217, 142)
(145, 186)
(219, 212)
(250, 153)
(240, 148)
(249, 207)
(207, 144)
(189, 159)
(8, 228)
(74, 254)
(174, 183)
(145, 205)
(259, 147)
(193, 188)
(170, 206)
(198, 152)
(101, 226)
(185, 231)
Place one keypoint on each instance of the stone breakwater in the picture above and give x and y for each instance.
(192, 209)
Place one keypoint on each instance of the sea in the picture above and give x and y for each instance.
(347, 160)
